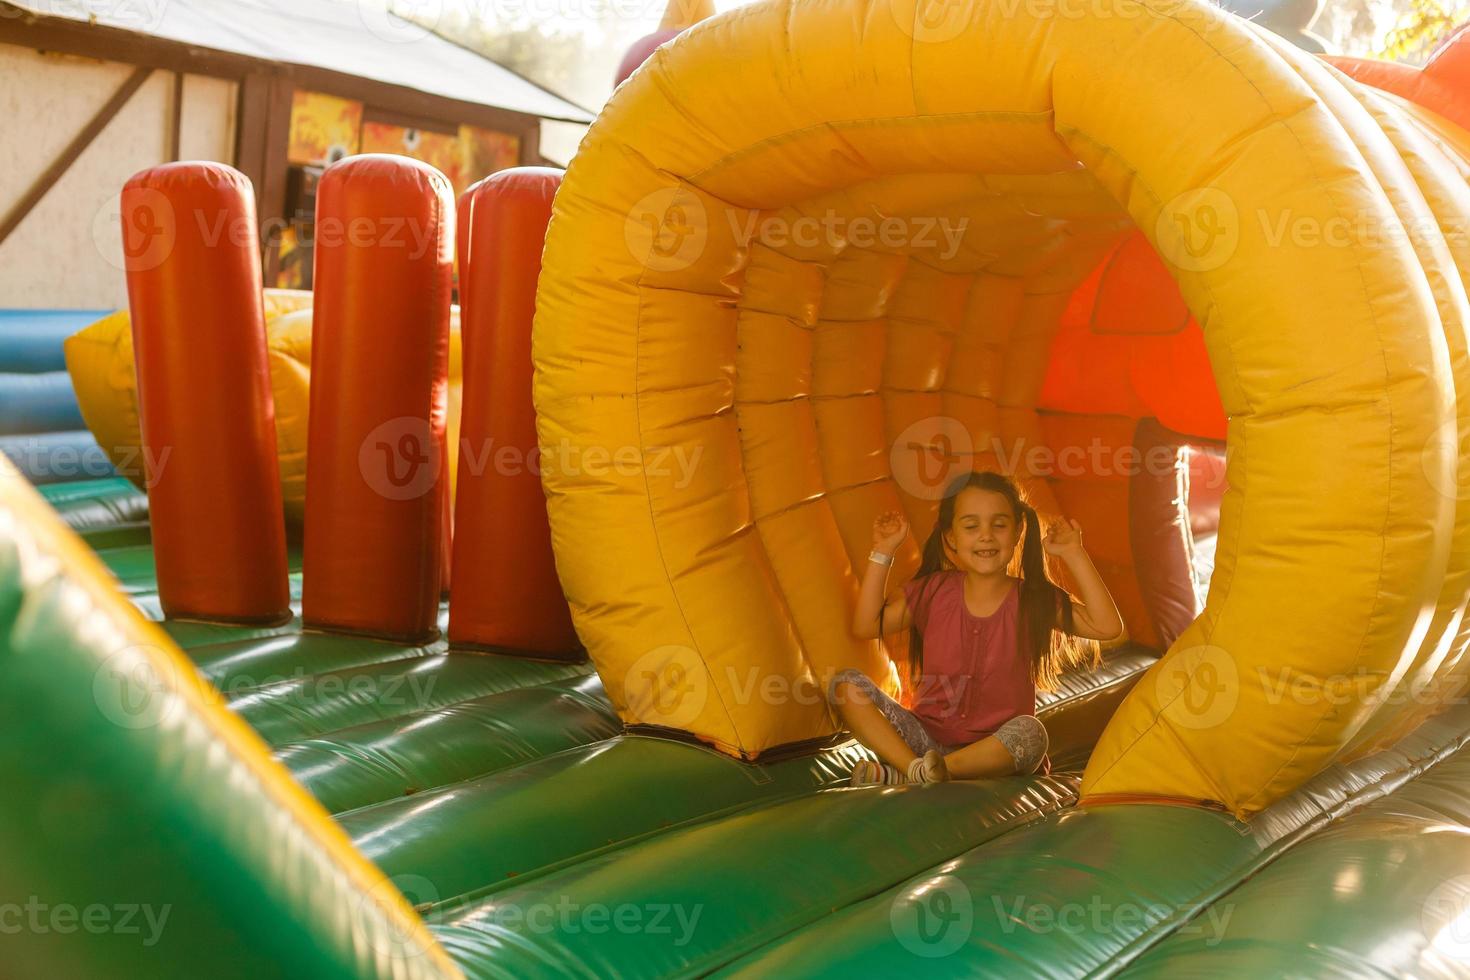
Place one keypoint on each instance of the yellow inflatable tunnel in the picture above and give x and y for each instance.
(807, 238)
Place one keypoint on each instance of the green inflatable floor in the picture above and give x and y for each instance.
(502, 797)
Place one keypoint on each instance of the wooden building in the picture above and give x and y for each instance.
(92, 92)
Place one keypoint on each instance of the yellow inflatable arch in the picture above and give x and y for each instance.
(728, 350)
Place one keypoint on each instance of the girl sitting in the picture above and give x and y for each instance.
(981, 641)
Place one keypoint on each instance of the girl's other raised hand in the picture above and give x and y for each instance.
(889, 531)
(1063, 539)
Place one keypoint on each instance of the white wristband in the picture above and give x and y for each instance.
(880, 558)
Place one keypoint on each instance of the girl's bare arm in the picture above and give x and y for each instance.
(870, 601)
(1094, 613)
(889, 531)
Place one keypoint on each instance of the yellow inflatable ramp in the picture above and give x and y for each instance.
(807, 236)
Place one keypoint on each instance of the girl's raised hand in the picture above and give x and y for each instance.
(889, 530)
(1063, 539)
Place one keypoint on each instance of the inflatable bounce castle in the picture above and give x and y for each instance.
(488, 638)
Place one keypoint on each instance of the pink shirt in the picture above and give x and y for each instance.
(975, 679)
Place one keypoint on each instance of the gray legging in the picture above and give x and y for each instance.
(1024, 736)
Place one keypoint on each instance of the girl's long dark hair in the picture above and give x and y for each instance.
(1046, 619)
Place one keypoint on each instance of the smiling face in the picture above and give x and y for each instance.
(985, 532)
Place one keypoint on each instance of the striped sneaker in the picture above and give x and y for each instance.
(870, 773)
(928, 768)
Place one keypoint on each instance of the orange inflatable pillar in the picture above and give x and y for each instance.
(192, 257)
(506, 593)
(376, 455)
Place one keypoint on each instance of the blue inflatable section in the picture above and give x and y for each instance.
(57, 457)
(38, 403)
(30, 340)
(41, 427)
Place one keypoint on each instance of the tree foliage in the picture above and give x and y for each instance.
(1421, 28)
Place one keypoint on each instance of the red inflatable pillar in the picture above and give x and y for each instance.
(192, 256)
(679, 16)
(506, 593)
(375, 462)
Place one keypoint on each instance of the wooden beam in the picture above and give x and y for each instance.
(263, 136)
(41, 33)
(387, 98)
(74, 149)
(531, 145)
(272, 188)
(176, 121)
(373, 114)
(253, 107)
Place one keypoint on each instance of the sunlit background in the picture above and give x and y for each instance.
(573, 46)
(569, 46)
